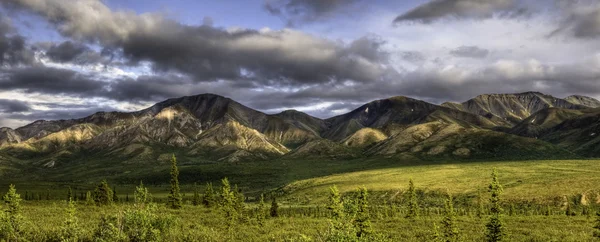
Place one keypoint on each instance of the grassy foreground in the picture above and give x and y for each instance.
(542, 201)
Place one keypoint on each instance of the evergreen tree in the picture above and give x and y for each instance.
(274, 210)
(495, 227)
(88, 199)
(209, 199)
(228, 203)
(174, 198)
(48, 194)
(10, 226)
(69, 230)
(127, 197)
(362, 222)
(335, 205)
(196, 198)
(26, 195)
(103, 195)
(261, 211)
(239, 199)
(511, 210)
(413, 206)
(69, 194)
(115, 198)
(141, 195)
(450, 230)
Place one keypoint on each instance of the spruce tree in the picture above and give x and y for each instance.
(69, 194)
(335, 205)
(228, 203)
(261, 211)
(209, 199)
(115, 198)
(10, 227)
(362, 223)
(103, 195)
(274, 210)
(141, 195)
(239, 200)
(174, 198)
(70, 230)
(495, 227)
(450, 230)
(88, 199)
(196, 199)
(413, 206)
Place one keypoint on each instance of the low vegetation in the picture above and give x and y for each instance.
(367, 212)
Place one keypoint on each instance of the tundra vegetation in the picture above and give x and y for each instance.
(367, 205)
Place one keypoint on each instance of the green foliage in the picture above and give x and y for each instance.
(340, 228)
(145, 225)
(228, 201)
(495, 226)
(413, 206)
(70, 231)
(362, 222)
(450, 230)
(274, 210)
(69, 195)
(11, 219)
(196, 199)
(109, 229)
(103, 195)
(141, 195)
(88, 199)
(239, 200)
(480, 206)
(210, 198)
(597, 225)
(261, 211)
(174, 199)
(115, 198)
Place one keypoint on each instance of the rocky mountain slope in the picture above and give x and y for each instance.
(213, 128)
(514, 108)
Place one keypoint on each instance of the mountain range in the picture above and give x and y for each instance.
(213, 128)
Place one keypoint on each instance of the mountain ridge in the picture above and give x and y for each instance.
(219, 128)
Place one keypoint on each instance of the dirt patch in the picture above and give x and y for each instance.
(464, 152)
(437, 150)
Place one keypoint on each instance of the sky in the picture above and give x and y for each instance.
(64, 59)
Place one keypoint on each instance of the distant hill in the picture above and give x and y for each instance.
(212, 128)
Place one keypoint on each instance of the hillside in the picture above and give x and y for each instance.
(514, 108)
(212, 128)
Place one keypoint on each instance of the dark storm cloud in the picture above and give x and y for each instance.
(47, 80)
(13, 106)
(581, 21)
(68, 113)
(470, 52)
(13, 49)
(302, 11)
(279, 58)
(69, 51)
(438, 9)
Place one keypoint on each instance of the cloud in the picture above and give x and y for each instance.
(13, 106)
(13, 49)
(40, 79)
(74, 52)
(285, 57)
(296, 12)
(478, 9)
(581, 21)
(470, 52)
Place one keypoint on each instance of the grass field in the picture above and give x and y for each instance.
(302, 190)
